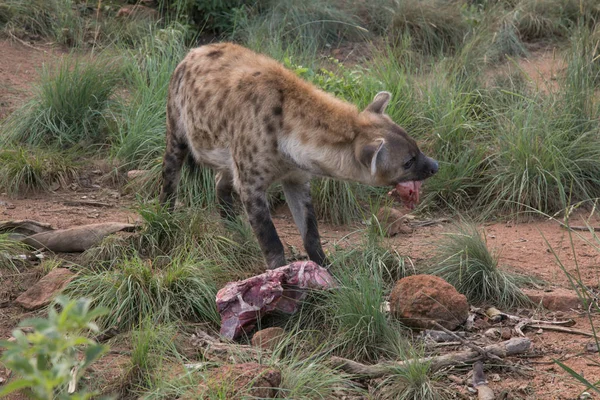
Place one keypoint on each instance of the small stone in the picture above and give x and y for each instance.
(136, 173)
(45, 289)
(505, 333)
(481, 324)
(419, 300)
(269, 338)
(495, 378)
(557, 300)
(492, 333)
(393, 222)
(591, 347)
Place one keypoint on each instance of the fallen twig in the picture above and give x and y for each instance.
(481, 384)
(478, 349)
(524, 322)
(85, 203)
(502, 349)
(561, 329)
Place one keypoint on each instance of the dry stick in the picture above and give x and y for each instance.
(478, 349)
(502, 349)
(561, 329)
(480, 383)
(90, 203)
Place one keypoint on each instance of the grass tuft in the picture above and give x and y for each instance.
(69, 105)
(10, 249)
(412, 381)
(25, 170)
(434, 27)
(464, 261)
(139, 289)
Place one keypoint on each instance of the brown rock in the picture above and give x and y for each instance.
(42, 292)
(420, 299)
(137, 173)
(556, 300)
(393, 221)
(237, 381)
(268, 338)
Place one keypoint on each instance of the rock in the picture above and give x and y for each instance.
(237, 381)
(136, 173)
(556, 300)
(505, 333)
(420, 299)
(137, 11)
(268, 338)
(393, 221)
(45, 289)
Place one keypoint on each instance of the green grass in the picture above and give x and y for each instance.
(55, 19)
(10, 249)
(138, 289)
(26, 169)
(552, 19)
(464, 260)
(350, 317)
(413, 381)
(311, 24)
(434, 27)
(68, 106)
(542, 161)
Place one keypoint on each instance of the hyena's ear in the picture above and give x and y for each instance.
(379, 103)
(370, 153)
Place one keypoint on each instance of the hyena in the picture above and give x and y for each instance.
(255, 123)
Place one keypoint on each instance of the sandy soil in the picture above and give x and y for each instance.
(524, 247)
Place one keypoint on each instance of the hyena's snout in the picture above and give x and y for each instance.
(430, 167)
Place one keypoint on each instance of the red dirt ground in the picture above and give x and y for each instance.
(522, 246)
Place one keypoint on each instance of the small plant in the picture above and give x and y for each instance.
(56, 19)
(24, 170)
(9, 251)
(164, 290)
(464, 261)
(434, 27)
(412, 381)
(358, 326)
(68, 107)
(47, 360)
(152, 345)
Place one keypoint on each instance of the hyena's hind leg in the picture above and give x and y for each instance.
(297, 196)
(175, 154)
(225, 191)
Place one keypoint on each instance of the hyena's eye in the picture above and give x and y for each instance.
(409, 163)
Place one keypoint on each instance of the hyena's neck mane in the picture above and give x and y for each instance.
(320, 131)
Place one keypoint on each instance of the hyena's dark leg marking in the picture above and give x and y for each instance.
(171, 170)
(224, 184)
(257, 208)
(298, 198)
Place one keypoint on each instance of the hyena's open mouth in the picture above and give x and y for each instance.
(407, 193)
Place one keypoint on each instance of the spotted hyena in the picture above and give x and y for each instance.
(255, 123)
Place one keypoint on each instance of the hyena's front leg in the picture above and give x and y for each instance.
(297, 196)
(257, 207)
(171, 170)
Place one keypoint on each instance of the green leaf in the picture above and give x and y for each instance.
(14, 386)
(589, 385)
